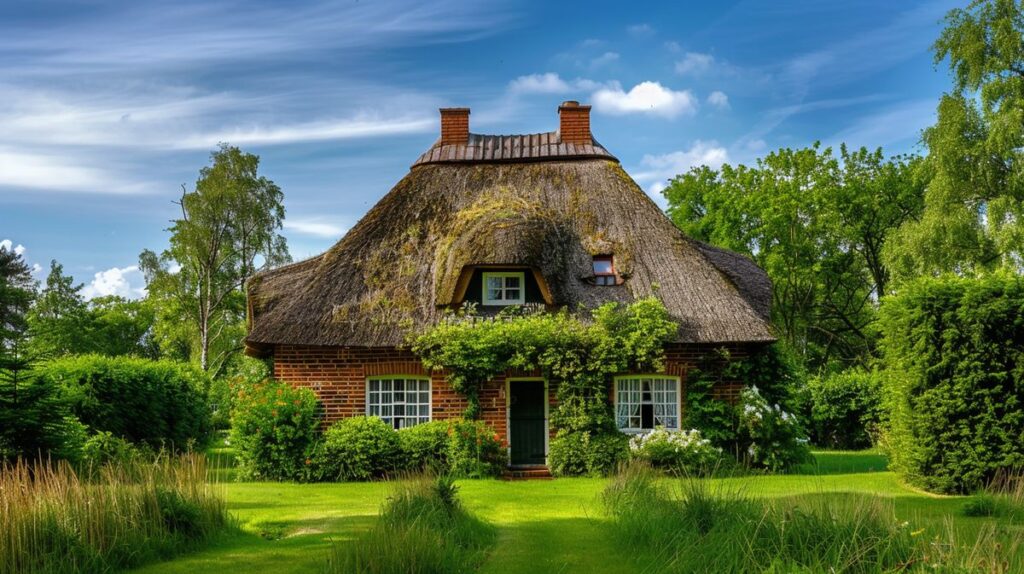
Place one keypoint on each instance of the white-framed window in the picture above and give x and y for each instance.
(400, 401)
(643, 402)
(504, 288)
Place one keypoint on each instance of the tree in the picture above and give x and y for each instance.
(228, 227)
(17, 290)
(122, 326)
(59, 319)
(973, 219)
(817, 224)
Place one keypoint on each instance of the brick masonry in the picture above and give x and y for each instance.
(338, 376)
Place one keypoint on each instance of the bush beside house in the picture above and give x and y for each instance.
(954, 349)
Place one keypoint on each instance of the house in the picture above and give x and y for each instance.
(548, 219)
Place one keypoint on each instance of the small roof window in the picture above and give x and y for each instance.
(604, 270)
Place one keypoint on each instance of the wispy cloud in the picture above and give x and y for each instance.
(604, 60)
(645, 98)
(55, 171)
(314, 227)
(718, 99)
(640, 30)
(900, 122)
(694, 63)
(656, 170)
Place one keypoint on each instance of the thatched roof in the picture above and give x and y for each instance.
(399, 267)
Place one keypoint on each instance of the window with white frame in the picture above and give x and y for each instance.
(506, 288)
(400, 401)
(645, 402)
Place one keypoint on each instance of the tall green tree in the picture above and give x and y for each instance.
(122, 326)
(228, 228)
(17, 290)
(59, 319)
(973, 218)
(817, 224)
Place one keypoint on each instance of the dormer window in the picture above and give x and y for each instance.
(604, 270)
(504, 288)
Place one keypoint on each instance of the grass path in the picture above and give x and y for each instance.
(544, 526)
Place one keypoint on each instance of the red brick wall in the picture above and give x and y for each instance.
(338, 376)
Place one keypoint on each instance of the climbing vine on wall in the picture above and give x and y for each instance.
(578, 356)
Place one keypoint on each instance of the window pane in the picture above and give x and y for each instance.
(602, 266)
(494, 283)
(512, 294)
(512, 282)
(494, 294)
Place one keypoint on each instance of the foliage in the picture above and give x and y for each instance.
(59, 319)
(769, 436)
(104, 448)
(954, 354)
(274, 431)
(17, 290)
(578, 357)
(227, 224)
(161, 403)
(817, 224)
(974, 205)
(474, 450)
(684, 452)
(243, 374)
(422, 529)
(357, 448)
(119, 326)
(425, 446)
(846, 408)
(131, 513)
(585, 453)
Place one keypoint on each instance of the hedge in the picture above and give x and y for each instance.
(160, 403)
(954, 349)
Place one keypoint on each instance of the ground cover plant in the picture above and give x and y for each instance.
(423, 529)
(55, 520)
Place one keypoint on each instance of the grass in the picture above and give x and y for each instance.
(541, 526)
(55, 520)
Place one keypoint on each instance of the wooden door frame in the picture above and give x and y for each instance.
(508, 415)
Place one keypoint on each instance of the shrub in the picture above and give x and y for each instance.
(425, 446)
(357, 448)
(104, 448)
(770, 436)
(128, 514)
(582, 453)
(474, 449)
(274, 429)
(34, 420)
(954, 353)
(161, 403)
(846, 408)
(245, 373)
(422, 528)
(685, 452)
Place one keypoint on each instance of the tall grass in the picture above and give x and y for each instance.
(56, 520)
(696, 525)
(1003, 498)
(422, 529)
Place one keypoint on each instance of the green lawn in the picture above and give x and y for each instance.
(544, 526)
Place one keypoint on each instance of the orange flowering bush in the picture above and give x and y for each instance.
(474, 449)
(274, 430)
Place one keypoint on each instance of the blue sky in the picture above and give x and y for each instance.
(108, 107)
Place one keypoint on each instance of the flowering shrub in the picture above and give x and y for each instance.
(773, 438)
(585, 453)
(474, 450)
(274, 428)
(680, 451)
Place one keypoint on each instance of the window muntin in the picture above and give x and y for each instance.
(399, 401)
(604, 270)
(504, 288)
(645, 402)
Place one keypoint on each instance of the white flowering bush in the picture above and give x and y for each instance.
(773, 437)
(681, 451)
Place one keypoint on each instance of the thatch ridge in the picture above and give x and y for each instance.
(395, 271)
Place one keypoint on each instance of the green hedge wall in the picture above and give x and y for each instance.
(954, 349)
(161, 403)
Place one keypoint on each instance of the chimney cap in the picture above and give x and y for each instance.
(454, 110)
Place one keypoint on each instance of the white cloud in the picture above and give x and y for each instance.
(658, 169)
(645, 98)
(640, 30)
(56, 172)
(7, 244)
(673, 46)
(314, 227)
(719, 100)
(119, 281)
(694, 63)
(358, 127)
(549, 83)
(604, 59)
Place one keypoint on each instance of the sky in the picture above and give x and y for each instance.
(108, 108)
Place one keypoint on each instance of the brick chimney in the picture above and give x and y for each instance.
(454, 126)
(574, 123)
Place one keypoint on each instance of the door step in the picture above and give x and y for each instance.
(540, 473)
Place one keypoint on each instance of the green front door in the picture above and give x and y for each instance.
(528, 427)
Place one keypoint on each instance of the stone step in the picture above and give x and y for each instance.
(539, 473)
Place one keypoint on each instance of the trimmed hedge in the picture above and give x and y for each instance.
(954, 349)
(846, 408)
(160, 403)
